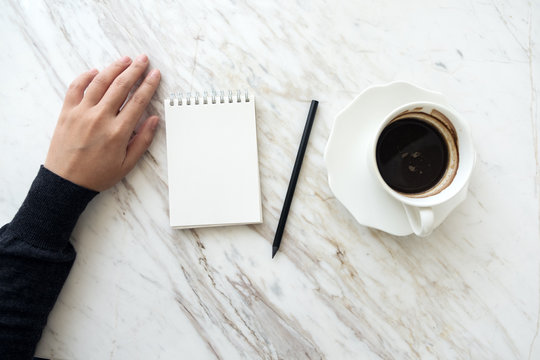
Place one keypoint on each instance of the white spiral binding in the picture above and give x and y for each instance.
(179, 99)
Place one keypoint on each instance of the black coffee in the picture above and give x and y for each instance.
(412, 155)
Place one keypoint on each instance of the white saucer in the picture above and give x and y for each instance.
(347, 160)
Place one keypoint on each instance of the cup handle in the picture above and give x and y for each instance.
(421, 219)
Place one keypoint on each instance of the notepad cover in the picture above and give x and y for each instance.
(212, 163)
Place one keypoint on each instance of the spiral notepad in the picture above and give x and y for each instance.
(212, 159)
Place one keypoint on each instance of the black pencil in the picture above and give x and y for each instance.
(294, 176)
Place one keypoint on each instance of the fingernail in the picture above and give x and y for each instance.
(153, 74)
(93, 71)
(125, 59)
(142, 58)
(155, 123)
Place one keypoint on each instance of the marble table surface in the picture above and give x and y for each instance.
(337, 289)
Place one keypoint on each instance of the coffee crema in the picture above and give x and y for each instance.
(416, 154)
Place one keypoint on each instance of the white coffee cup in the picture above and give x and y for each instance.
(427, 210)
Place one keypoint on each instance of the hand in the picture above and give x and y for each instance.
(92, 145)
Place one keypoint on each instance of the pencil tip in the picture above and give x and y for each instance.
(274, 251)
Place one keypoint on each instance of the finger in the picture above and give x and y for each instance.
(140, 143)
(121, 86)
(75, 91)
(134, 108)
(101, 83)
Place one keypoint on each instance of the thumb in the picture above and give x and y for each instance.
(140, 142)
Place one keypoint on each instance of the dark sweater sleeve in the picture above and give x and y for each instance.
(35, 259)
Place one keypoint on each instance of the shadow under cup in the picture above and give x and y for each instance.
(423, 154)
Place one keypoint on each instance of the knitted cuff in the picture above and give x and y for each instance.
(50, 211)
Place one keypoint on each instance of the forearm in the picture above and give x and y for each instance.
(35, 259)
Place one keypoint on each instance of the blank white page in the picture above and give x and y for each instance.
(213, 163)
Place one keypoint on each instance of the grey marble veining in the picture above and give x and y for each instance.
(336, 290)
